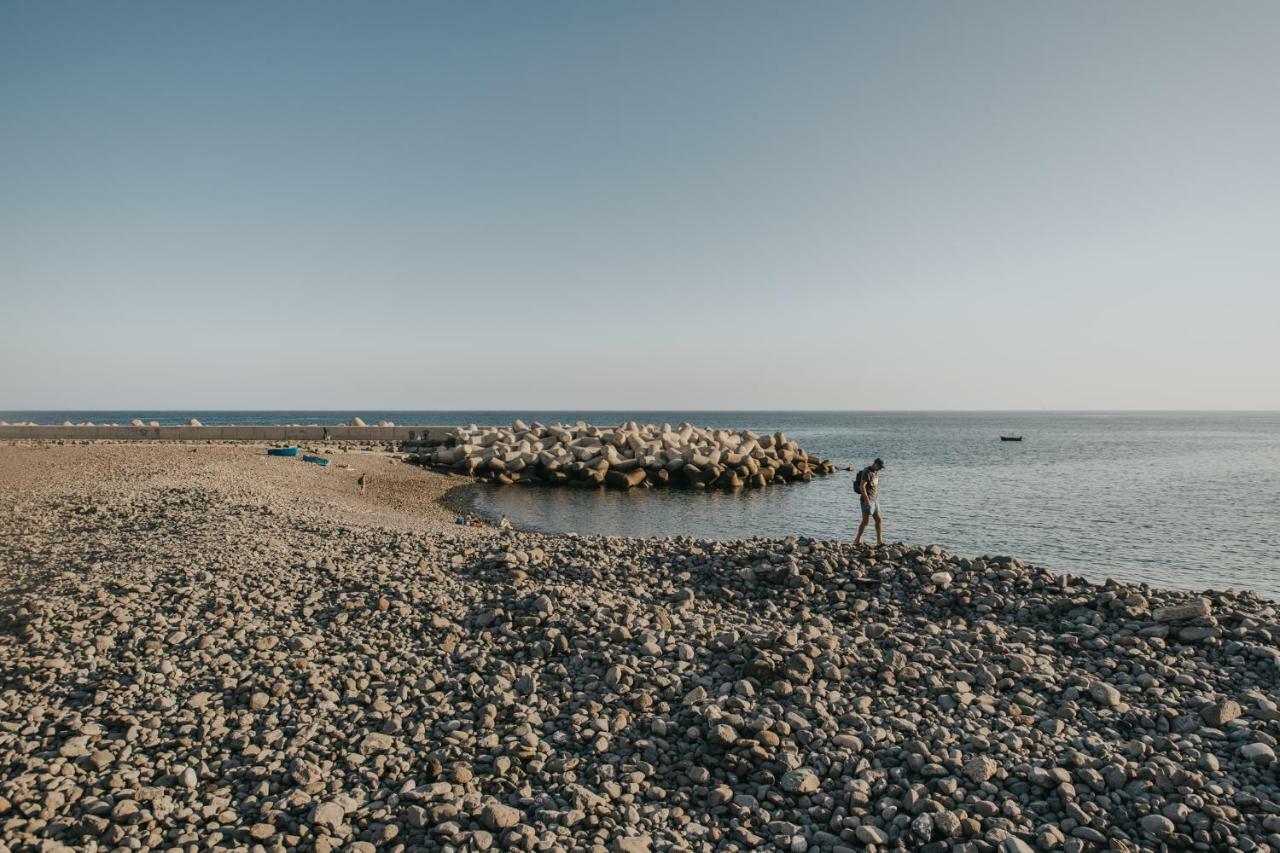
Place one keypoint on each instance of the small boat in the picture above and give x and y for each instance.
(282, 451)
(1011, 438)
(315, 460)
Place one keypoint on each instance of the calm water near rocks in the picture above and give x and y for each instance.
(1186, 500)
(1180, 500)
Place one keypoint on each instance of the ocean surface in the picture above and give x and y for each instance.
(1187, 500)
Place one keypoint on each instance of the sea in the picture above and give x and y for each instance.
(1176, 499)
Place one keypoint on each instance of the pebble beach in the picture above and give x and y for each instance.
(206, 648)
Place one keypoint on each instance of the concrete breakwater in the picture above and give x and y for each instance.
(627, 456)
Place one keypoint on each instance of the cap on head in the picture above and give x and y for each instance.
(879, 463)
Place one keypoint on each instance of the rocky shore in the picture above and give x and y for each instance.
(627, 456)
(211, 650)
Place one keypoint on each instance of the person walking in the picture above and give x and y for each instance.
(867, 484)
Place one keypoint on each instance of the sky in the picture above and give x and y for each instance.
(647, 205)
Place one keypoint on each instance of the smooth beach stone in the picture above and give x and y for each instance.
(1196, 609)
(800, 781)
(1218, 714)
(1104, 694)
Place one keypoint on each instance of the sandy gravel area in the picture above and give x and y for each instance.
(37, 479)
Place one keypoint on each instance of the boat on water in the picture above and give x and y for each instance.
(282, 451)
(1011, 438)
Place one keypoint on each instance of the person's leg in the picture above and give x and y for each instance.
(857, 540)
(879, 528)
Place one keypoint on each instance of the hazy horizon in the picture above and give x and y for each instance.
(360, 410)
(720, 206)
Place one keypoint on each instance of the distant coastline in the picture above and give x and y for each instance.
(431, 417)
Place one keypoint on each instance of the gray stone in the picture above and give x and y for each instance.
(1218, 714)
(868, 834)
(496, 816)
(980, 769)
(1014, 844)
(1104, 694)
(1196, 609)
(802, 780)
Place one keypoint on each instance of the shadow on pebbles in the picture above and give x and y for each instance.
(215, 674)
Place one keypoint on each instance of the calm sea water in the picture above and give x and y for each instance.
(1189, 500)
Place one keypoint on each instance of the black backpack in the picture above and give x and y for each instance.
(860, 478)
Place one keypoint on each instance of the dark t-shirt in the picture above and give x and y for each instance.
(872, 479)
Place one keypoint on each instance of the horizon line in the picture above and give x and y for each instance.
(359, 409)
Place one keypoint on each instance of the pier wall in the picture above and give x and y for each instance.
(423, 434)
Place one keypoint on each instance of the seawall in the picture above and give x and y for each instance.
(423, 434)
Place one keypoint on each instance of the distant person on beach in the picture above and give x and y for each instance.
(867, 484)
(363, 482)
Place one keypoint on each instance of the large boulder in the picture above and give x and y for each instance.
(620, 479)
(1196, 609)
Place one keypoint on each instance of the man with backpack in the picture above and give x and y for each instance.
(867, 485)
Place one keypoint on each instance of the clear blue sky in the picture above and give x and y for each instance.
(639, 205)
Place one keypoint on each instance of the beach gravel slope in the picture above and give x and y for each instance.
(226, 652)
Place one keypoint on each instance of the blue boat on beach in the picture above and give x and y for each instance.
(282, 451)
(317, 460)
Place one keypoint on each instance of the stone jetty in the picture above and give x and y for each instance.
(627, 456)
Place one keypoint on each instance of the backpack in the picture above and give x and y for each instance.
(858, 479)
